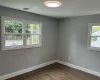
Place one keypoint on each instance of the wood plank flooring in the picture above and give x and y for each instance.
(56, 72)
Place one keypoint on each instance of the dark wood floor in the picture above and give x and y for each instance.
(56, 72)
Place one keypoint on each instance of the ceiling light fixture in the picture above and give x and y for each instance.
(53, 3)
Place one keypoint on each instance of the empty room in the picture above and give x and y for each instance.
(49, 39)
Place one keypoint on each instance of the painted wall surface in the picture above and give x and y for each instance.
(72, 42)
(15, 60)
(71, 35)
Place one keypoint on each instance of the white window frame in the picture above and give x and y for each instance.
(89, 36)
(23, 33)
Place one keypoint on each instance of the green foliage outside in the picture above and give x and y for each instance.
(95, 29)
(35, 39)
(13, 27)
(16, 27)
(94, 38)
(34, 29)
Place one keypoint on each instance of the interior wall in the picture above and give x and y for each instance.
(70, 33)
(72, 42)
(15, 60)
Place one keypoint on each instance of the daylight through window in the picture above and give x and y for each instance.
(94, 41)
(18, 33)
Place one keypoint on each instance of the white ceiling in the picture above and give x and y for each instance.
(69, 8)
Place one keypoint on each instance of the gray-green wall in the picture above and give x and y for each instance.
(15, 60)
(72, 42)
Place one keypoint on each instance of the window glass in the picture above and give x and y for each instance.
(32, 39)
(32, 28)
(95, 36)
(95, 30)
(19, 33)
(13, 40)
(13, 27)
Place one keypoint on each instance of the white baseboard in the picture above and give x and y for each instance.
(7, 76)
(79, 68)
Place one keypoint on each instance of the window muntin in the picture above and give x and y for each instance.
(20, 33)
(13, 39)
(32, 39)
(13, 33)
(33, 34)
(94, 36)
(32, 29)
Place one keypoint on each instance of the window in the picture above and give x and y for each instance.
(94, 36)
(18, 33)
(32, 34)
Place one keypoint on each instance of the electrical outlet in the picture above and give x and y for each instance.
(69, 58)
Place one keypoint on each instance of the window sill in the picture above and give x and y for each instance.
(21, 47)
(94, 48)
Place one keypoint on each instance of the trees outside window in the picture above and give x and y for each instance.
(94, 36)
(20, 33)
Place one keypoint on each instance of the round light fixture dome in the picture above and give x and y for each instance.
(52, 3)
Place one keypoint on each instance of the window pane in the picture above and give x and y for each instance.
(95, 30)
(32, 28)
(32, 39)
(13, 40)
(95, 41)
(13, 27)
